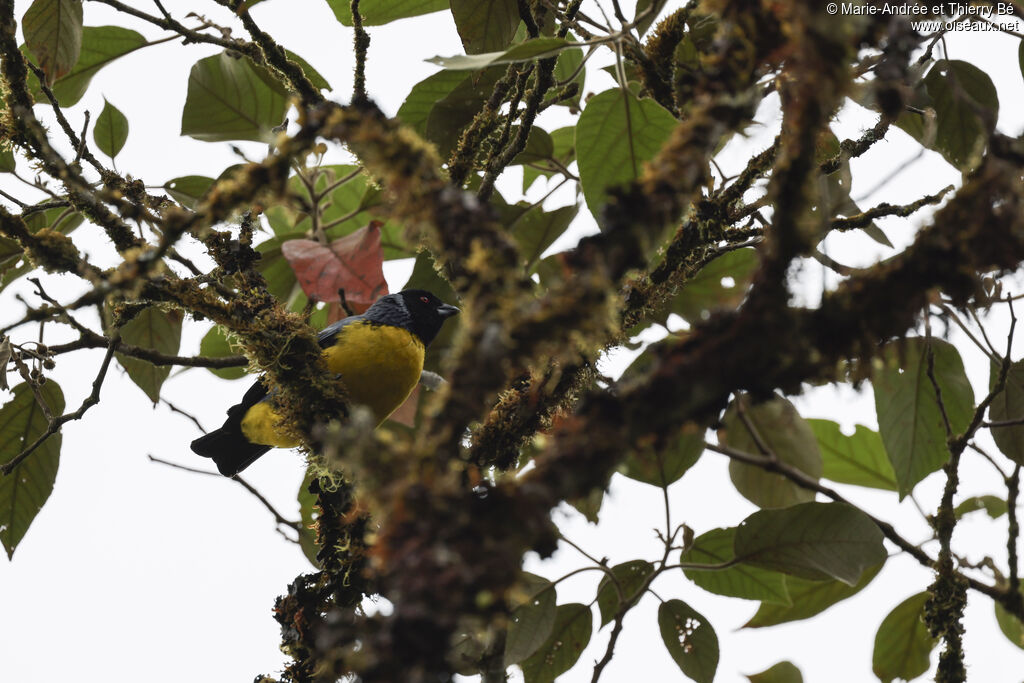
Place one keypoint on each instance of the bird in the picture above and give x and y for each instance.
(377, 356)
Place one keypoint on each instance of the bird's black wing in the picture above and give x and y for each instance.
(330, 333)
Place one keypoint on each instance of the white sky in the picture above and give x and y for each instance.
(135, 571)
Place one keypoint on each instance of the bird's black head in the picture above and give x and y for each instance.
(417, 310)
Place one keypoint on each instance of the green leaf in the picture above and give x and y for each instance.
(995, 506)
(959, 91)
(485, 25)
(903, 644)
(809, 598)
(690, 640)
(276, 270)
(60, 218)
(101, 45)
(532, 621)
(535, 230)
(24, 491)
(53, 35)
(7, 163)
(641, 6)
(230, 98)
(909, 418)
(859, 459)
(379, 12)
(738, 581)
(1009, 405)
(631, 576)
(153, 328)
(787, 435)
(1010, 625)
(661, 466)
(534, 48)
(215, 345)
(616, 134)
(563, 142)
(318, 81)
(415, 110)
(340, 211)
(454, 110)
(308, 513)
(188, 190)
(812, 541)
(111, 130)
(720, 284)
(569, 63)
(10, 253)
(783, 672)
(539, 147)
(589, 505)
(569, 637)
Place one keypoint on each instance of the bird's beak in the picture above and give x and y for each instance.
(447, 310)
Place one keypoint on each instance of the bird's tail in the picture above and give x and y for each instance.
(229, 448)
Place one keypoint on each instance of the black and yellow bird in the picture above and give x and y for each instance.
(377, 356)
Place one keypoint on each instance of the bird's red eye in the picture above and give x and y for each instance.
(424, 299)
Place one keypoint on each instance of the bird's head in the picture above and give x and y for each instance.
(415, 309)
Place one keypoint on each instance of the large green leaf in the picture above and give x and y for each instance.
(308, 513)
(909, 418)
(230, 98)
(859, 459)
(722, 283)
(665, 465)
(26, 488)
(1010, 625)
(783, 672)
(616, 134)
(569, 69)
(188, 190)
(738, 581)
(531, 622)
(690, 639)
(378, 12)
(809, 598)
(959, 92)
(215, 345)
(569, 637)
(630, 577)
(485, 25)
(101, 45)
(53, 35)
(812, 541)
(111, 130)
(534, 48)
(536, 229)
(415, 110)
(787, 435)
(156, 329)
(903, 644)
(1009, 405)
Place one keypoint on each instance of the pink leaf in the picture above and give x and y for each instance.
(353, 263)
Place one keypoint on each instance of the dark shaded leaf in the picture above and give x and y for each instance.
(215, 345)
(453, 112)
(7, 163)
(616, 134)
(485, 25)
(787, 435)
(535, 231)
(721, 284)
(569, 637)
(1010, 625)
(655, 7)
(909, 418)
(53, 35)
(959, 92)
(230, 98)
(153, 328)
(783, 672)
(859, 459)
(661, 467)
(590, 505)
(809, 598)
(1009, 405)
(568, 66)
(111, 130)
(353, 263)
(24, 491)
(308, 513)
(276, 270)
(690, 640)
(738, 581)
(379, 12)
(630, 576)
(531, 621)
(812, 541)
(903, 644)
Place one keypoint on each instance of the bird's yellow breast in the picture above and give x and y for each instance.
(379, 365)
